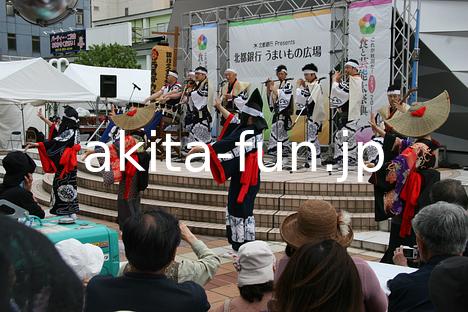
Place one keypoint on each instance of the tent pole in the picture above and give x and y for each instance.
(22, 119)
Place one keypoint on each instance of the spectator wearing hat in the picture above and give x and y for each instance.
(441, 232)
(316, 221)
(319, 277)
(448, 285)
(255, 266)
(150, 241)
(17, 182)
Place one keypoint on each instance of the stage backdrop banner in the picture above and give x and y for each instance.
(257, 47)
(370, 43)
(161, 63)
(204, 49)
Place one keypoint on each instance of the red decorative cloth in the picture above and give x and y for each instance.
(419, 112)
(48, 165)
(250, 175)
(69, 160)
(51, 132)
(130, 169)
(216, 168)
(225, 126)
(410, 195)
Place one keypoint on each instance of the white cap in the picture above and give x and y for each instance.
(255, 264)
(85, 259)
(173, 74)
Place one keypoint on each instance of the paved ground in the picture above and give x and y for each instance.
(224, 285)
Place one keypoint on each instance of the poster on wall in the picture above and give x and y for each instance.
(161, 63)
(370, 44)
(68, 42)
(204, 49)
(257, 47)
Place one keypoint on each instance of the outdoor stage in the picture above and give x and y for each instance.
(200, 202)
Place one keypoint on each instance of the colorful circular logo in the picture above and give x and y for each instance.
(367, 24)
(202, 42)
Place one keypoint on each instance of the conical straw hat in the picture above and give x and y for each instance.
(135, 119)
(423, 118)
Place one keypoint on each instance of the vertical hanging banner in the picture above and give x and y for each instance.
(370, 44)
(204, 49)
(161, 63)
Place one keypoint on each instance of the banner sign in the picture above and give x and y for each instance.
(369, 43)
(161, 63)
(257, 47)
(204, 49)
(68, 42)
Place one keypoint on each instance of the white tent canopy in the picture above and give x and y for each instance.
(89, 77)
(34, 80)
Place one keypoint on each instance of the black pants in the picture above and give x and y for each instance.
(395, 242)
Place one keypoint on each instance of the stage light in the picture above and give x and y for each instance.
(44, 12)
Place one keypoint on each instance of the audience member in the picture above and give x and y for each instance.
(441, 232)
(448, 285)
(17, 182)
(150, 241)
(450, 191)
(319, 277)
(86, 260)
(316, 221)
(255, 266)
(200, 271)
(33, 276)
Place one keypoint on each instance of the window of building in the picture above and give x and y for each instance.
(12, 42)
(96, 8)
(10, 9)
(162, 27)
(36, 44)
(126, 11)
(79, 17)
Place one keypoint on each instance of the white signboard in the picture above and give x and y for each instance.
(204, 49)
(257, 47)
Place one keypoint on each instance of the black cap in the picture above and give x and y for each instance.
(71, 113)
(17, 164)
(394, 87)
(254, 108)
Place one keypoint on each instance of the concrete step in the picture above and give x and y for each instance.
(373, 240)
(269, 218)
(197, 196)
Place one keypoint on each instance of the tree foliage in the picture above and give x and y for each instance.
(108, 55)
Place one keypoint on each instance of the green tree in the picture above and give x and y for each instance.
(108, 55)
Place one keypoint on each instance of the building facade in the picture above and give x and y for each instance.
(147, 18)
(20, 39)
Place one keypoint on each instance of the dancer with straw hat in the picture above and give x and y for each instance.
(402, 184)
(131, 181)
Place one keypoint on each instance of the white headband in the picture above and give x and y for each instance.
(352, 64)
(394, 92)
(191, 73)
(170, 73)
(283, 71)
(309, 71)
(251, 111)
(199, 71)
(230, 70)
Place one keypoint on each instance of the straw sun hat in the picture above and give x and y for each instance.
(314, 222)
(423, 118)
(135, 119)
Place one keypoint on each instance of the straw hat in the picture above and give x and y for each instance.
(314, 222)
(423, 118)
(135, 119)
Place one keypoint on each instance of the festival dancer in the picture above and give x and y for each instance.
(280, 101)
(244, 186)
(131, 181)
(310, 103)
(402, 184)
(58, 156)
(346, 96)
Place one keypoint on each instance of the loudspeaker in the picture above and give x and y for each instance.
(108, 86)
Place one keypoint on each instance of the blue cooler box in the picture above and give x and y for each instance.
(86, 232)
